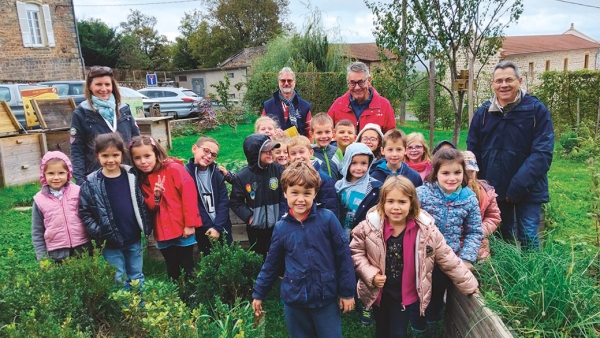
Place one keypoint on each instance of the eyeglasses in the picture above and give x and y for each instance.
(286, 80)
(508, 80)
(360, 83)
(96, 71)
(419, 147)
(369, 139)
(207, 151)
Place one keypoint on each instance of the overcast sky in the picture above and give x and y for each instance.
(352, 18)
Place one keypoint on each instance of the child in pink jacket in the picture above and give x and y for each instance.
(394, 250)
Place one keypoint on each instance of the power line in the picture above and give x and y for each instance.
(576, 3)
(139, 4)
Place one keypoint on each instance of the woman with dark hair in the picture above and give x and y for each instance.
(102, 112)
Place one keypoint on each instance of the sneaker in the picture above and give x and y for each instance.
(366, 316)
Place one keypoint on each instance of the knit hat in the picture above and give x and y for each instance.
(470, 161)
(440, 144)
(370, 126)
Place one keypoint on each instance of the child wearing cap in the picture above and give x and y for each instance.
(256, 193)
(486, 195)
(372, 136)
(443, 144)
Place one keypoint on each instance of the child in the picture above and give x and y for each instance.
(454, 207)
(113, 211)
(56, 229)
(442, 145)
(392, 257)
(299, 149)
(372, 136)
(321, 127)
(256, 192)
(345, 134)
(170, 194)
(417, 154)
(393, 149)
(357, 190)
(280, 154)
(488, 207)
(318, 265)
(268, 126)
(212, 194)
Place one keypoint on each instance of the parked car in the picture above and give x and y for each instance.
(137, 101)
(173, 101)
(11, 93)
(73, 89)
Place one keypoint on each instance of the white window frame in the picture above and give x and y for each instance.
(35, 22)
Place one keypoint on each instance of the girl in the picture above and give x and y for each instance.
(454, 207)
(170, 194)
(417, 155)
(113, 211)
(56, 229)
(212, 194)
(394, 251)
(268, 126)
(488, 207)
(372, 136)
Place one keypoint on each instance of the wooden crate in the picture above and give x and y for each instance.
(58, 140)
(20, 158)
(157, 127)
(8, 122)
(54, 116)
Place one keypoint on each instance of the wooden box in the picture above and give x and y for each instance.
(8, 122)
(157, 127)
(54, 116)
(20, 158)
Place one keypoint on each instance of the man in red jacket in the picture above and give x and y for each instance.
(362, 104)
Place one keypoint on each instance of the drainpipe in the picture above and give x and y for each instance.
(78, 42)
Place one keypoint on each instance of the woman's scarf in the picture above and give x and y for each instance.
(106, 108)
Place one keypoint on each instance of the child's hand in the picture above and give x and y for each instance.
(257, 307)
(213, 234)
(159, 186)
(346, 304)
(469, 265)
(223, 170)
(379, 280)
(189, 231)
(279, 133)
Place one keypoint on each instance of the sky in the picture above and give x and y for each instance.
(350, 20)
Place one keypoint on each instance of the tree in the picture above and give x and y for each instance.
(156, 47)
(99, 43)
(448, 30)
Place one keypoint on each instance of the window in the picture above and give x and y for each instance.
(547, 65)
(586, 61)
(566, 65)
(531, 69)
(169, 94)
(4, 94)
(182, 78)
(36, 25)
(232, 96)
(230, 75)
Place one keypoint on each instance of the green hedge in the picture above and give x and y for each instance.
(320, 89)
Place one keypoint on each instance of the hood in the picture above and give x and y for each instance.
(47, 157)
(253, 145)
(353, 150)
(370, 126)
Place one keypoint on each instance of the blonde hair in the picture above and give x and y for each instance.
(406, 187)
(418, 138)
(321, 119)
(262, 120)
(299, 141)
(204, 139)
(474, 184)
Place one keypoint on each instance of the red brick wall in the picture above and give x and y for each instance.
(30, 64)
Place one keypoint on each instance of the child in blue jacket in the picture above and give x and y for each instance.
(318, 265)
(393, 149)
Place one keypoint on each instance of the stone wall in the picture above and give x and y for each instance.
(32, 64)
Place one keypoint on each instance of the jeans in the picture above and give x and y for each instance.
(129, 261)
(439, 284)
(391, 318)
(323, 322)
(528, 221)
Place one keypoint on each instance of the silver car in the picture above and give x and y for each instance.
(11, 93)
(176, 102)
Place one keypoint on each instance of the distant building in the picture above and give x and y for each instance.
(367, 53)
(38, 41)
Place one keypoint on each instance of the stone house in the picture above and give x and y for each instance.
(38, 41)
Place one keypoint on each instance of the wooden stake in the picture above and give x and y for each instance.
(431, 99)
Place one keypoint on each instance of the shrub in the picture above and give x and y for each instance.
(579, 144)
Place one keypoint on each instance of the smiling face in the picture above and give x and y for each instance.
(266, 158)
(450, 176)
(110, 160)
(345, 135)
(322, 134)
(414, 152)
(144, 158)
(101, 87)
(266, 128)
(358, 167)
(300, 153)
(56, 174)
(397, 207)
(281, 155)
(394, 153)
(287, 82)
(205, 154)
(300, 200)
(371, 139)
(358, 92)
(506, 85)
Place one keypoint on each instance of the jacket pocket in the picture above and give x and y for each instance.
(293, 289)
(328, 285)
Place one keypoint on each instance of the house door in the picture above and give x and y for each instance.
(198, 86)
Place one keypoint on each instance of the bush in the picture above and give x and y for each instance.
(579, 144)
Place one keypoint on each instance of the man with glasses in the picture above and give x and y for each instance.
(362, 104)
(286, 107)
(512, 138)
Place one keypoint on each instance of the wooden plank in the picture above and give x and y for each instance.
(21, 157)
(58, 141)
(54, 113)
(8, 121)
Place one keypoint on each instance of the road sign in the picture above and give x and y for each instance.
(151, 80)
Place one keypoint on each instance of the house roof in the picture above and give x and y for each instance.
(366, 51)
(242, 58)
(514, 45)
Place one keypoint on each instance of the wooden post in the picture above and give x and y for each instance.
(578, 116)
(431, 99)
(598, 118)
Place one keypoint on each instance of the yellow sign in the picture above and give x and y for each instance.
(291, 131)
(38, 93)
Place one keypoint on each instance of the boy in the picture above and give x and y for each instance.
(256, 193)
(393, 148)
(213, 202)
(321, 127)
(345, 134)
(318, 265)
(299, 149)
(357, 190)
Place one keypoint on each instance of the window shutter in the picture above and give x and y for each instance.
(48, 21)
(24, 24)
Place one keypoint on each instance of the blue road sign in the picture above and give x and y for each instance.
(151, 80)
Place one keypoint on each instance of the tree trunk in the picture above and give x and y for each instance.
(458, 118)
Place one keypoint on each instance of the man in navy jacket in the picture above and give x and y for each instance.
(513, 139)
